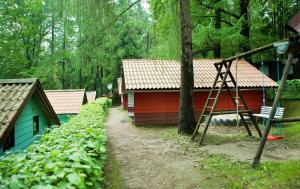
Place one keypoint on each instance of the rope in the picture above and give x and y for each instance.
(236, 93)
(278, 125)
(263, 84)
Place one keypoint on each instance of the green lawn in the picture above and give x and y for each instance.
(291, 131)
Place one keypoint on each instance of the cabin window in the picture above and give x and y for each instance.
(35, 125)
(10, 141)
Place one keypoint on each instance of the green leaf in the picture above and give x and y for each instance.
(74, 178)
(14, 183)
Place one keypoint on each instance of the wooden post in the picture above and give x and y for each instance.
(273, 111)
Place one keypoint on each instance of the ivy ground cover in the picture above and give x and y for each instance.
(69, 156)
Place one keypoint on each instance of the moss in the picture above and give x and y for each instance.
(112, 174)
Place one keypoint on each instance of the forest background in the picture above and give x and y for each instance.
(80, 44)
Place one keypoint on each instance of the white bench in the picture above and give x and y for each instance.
(266, 110)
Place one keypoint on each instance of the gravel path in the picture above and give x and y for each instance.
(147, 162)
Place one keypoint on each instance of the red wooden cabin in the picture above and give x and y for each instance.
(150, 88)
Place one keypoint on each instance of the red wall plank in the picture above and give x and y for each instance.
(125, 101)
(163, 107)
(156, 102)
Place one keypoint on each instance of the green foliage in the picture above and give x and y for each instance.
(266, 23)
(291, 91)
(67, 44)
(69, 156)
(166, 29)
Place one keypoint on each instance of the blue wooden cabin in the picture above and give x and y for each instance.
(25, 112)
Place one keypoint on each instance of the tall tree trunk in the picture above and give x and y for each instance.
(80, 75)
(64, 60)
(245, 25)
(187, 121)
(217, 49)
(53, 66)
(101, 76)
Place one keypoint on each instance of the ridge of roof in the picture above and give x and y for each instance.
(21, 80)
(65, 90)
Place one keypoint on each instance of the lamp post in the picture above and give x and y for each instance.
(109, 86)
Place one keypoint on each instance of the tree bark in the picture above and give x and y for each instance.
(187, 121)
(217, 50)
(53, 65)
(245, 25)
(64, 59)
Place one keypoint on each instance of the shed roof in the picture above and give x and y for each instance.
(67, 101)
(91, 96)
(165, 74)
(14, 94)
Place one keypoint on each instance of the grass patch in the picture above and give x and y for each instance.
(212, 137)
(235, 174)
(291, 131)
(112, 174)
(292, 108)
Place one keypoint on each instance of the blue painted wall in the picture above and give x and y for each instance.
(63, 118)
(24, 135)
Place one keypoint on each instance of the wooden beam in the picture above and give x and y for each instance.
(282, 120)
(230, 112)
(251, 52)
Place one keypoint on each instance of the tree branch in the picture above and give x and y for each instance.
(113, 21)
(222, 10)
(226, 22)
(116, 18)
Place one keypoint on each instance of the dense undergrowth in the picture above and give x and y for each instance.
(69, 156)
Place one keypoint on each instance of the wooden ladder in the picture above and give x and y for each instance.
(221, 82)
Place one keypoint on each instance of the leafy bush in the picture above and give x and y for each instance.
(70, 156)
(290, 92)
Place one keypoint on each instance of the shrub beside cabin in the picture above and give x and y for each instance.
(25, 112)
(66, 103)
(150, 88)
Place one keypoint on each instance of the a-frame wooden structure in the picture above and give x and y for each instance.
(224, 80)
(221, 82)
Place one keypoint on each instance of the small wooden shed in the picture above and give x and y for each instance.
(66, 103)
(25, 112)
(151, 88)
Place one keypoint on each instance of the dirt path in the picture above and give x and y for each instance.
(147, 162)
(244, 151)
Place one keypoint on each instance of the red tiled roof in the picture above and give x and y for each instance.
(14, 95)
(66, 101)
(91, 96)
(165, 74)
